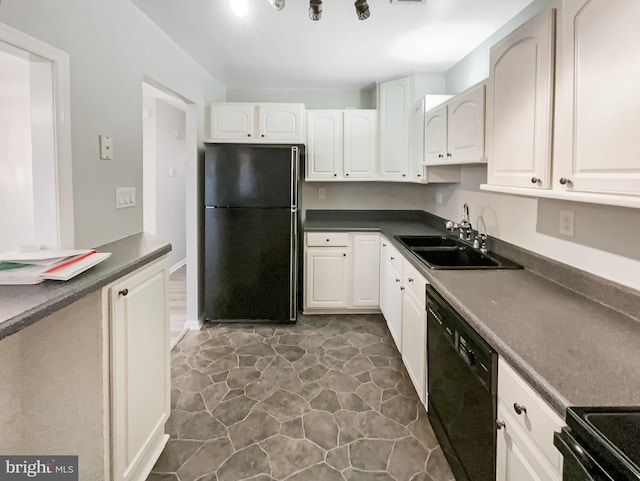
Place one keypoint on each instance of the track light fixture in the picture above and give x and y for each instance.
(277, 4)
(362, 9)
(315, 9)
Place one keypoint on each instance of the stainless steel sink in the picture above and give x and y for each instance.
(441, 252)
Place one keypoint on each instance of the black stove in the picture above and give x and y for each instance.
(601, 444)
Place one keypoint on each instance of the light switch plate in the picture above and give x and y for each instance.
(106, 147)
(125, 197)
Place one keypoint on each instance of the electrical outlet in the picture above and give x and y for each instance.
(322, 193)
(567, 222)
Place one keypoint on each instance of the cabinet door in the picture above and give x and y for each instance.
(281, 122)
(393, 105)
(435, 136)
(414, 341)
(140, 370)
(327, 278)
(232, 121)
(520, 104)
(465, 132)
(365, 275)
(384, 249)
(516, 458)
(324, 144)
(360, 143)
(416, 142)
(598, 144)
(394, 304)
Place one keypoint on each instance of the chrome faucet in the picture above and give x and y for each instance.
(480, 242)
(465, 228)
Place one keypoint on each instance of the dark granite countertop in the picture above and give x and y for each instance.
(572, 350)
(21, 306)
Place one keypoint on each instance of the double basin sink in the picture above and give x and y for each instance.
(441, 252)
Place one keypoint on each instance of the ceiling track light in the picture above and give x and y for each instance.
(315, 10)
(277, 4)
(362, 9)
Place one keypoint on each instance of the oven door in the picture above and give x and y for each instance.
(578, 464)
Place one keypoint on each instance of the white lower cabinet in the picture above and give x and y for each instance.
(414, 341)
(140, 382)
(341, 272)
(525, 449)
(393, 314)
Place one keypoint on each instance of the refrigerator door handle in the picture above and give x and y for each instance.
(295, 158)
(293, 266)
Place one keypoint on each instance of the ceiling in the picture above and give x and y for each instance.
(284, 49)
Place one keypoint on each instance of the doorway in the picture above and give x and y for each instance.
(166, 155)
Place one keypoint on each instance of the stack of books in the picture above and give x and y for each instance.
(32, 266)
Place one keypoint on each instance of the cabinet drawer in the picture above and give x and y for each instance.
(539, 420)
(414, 282)
(394, 258)
(317, 239)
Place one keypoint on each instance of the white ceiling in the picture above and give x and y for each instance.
(284, 49)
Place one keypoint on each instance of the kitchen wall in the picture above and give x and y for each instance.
(112, 45)
(312, 98)
(606, 238)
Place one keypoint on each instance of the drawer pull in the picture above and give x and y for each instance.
(397, 280)
(392, 258)
(500, 425)
(402, 288)
(519, 408)
(328, 240)
(123, 292)
(410, 279)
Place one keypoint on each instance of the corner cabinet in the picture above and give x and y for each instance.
(257, 123)
(599, 99)
(393, 109)
(341, 272)
(140, 372)
(520, 105)
(455, 132)
(341, 145)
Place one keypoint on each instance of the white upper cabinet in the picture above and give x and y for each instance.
(393, 109)
(342, 144)
(259, 123)
(599, 99)
(454, 132)
(324, 144)
(232, 121)
(281, 122)
(435, 136)
(465, 133)
(519, 105)
(360, 143)
(416, 142)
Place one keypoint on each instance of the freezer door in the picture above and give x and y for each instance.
(250, 264)
(239, 175)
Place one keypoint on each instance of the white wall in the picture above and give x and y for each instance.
(606, 238)
(16, 181)
(312, 98)
(112, 45)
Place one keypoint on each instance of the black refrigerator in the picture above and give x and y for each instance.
(250, 232)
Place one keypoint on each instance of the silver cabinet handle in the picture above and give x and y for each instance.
(535, 180)
(397, 280)
(519, 408)
(440, 155)
(565, 181)
(123, 292)
(500, 424)
(392, 258)
(410, 279)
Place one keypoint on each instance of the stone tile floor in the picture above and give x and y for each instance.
(326, 399)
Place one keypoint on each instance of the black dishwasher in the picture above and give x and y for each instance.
(462, 377)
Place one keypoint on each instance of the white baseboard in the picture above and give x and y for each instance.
(194, 325)
(177, 265)
(179, 338)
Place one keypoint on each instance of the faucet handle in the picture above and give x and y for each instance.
(450, 225)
